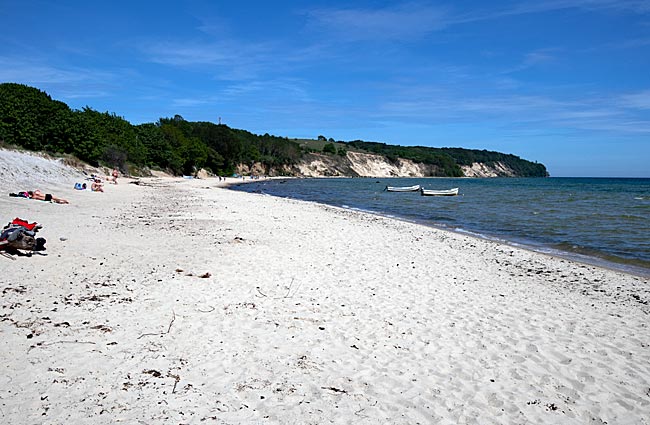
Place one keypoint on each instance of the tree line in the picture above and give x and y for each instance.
(31, 119)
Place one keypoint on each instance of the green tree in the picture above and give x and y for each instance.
(31, 119)
(113, 137)
(329, 148)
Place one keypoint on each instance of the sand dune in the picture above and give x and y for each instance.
(179, 301)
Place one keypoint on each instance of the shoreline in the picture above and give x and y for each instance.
(636, 267)
(548, 250)
(594, 261)
(180, 301)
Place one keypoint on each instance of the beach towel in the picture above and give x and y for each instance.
(24, 223)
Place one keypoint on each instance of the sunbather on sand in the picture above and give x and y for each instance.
(40, 196)
(97, 186)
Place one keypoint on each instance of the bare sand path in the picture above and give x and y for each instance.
(177, 301)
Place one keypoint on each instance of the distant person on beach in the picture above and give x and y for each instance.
(114, 176)
(97, 186)
(47, 197)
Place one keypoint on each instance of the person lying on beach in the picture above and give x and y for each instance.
(47, 197)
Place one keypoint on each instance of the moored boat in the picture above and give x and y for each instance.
(446, 192)
(403, 188)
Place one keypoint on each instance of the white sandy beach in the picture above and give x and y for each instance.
(181, 302)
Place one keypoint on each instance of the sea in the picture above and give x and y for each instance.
(600, 221)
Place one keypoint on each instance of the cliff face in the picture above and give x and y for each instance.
(357, 164)
(369, 165)
(483, 170)
(319, 165)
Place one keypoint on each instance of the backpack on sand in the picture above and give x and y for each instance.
(20, 234)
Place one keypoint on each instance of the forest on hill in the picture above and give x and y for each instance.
(31, 119)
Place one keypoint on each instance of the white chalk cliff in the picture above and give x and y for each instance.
(357, 164)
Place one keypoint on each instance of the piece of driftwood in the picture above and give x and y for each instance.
(161, 333)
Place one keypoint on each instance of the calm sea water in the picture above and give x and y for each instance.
(597, 220)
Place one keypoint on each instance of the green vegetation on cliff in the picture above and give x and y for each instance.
(31, 119)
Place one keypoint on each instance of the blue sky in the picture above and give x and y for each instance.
(562, 82)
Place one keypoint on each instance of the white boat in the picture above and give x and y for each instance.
(447, 192)
(403, 188)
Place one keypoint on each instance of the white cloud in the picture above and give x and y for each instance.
(186, 54)
(590, 114)
(34, 73)
(70, 82)
(191, 102)
(530, 7)
(640, 100)
(414, 20)
(406, 21)
(235, 61)
(533, 59)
